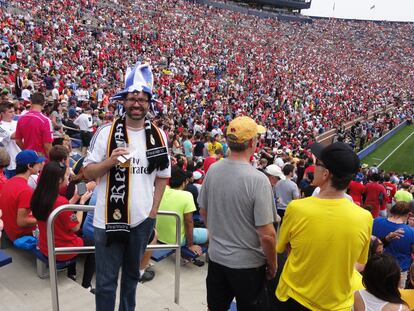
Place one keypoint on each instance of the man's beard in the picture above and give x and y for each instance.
(136, 113)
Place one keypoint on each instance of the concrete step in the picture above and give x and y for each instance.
(21, 289)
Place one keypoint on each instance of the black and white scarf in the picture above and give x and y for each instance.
(117, 213)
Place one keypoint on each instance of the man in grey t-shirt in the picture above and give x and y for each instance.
(286, 190)
(236, 202)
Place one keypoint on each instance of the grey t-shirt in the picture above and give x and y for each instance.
(238, 198)
(286, 191)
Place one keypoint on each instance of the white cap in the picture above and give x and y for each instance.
(275, 170)
(197, 175)
(279, 162)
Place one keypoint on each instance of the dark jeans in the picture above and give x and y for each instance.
(109, 259)
(247, 285)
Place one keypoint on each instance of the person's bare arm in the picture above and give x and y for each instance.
(160, 184)
(267, 235)
(95, 170)
(189, 226)
(47, 147)
(19, 142)
(24, 219)
(79, 214)
(358, 302)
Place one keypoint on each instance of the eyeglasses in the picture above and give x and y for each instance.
(141, 101)
(319, 163)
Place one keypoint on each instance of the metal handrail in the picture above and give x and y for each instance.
(52, 251)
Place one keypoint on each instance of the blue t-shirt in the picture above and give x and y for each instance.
(400, 248)
(87, 228)
(187, 148)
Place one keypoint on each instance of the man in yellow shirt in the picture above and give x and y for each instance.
(325, 235)
(213, 145)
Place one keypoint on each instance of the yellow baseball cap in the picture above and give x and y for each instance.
(242, 129)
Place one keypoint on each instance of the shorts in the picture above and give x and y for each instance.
(224, 283)
(86, 138)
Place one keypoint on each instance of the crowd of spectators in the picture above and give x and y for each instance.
(299, 80)
(67, 58)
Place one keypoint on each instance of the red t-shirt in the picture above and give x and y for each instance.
(356, 189)
(15, 194)
(375, 194)
(64, 237)
(390, 190)
(207, 163)
(3, 180)
(309, 169)
(35, 129)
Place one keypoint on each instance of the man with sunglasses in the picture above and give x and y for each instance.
(325, 235)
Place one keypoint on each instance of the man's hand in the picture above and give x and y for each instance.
(397, 234)
(116, 153)
(153, 214)
(196, 249)
(271, 271)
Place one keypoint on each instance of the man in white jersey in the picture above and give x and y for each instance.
(129, 194)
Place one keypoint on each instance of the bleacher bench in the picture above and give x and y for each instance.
(42, 264)
(4, 259)
(158, 255)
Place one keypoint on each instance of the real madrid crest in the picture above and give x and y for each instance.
(117, 214)
(152, 140)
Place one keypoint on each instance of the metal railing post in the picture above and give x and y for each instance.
(52, 258)
(52, 251)
(177, 258)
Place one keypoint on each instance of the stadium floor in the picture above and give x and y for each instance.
(396, 154)
(21, 289)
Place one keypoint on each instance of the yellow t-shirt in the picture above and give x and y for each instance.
(176, 201)
(212, 147)
(356, 281)
(408, 296)
(327, 237)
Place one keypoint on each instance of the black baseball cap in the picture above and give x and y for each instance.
(339, 158)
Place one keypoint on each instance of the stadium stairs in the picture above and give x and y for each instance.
(21, 289)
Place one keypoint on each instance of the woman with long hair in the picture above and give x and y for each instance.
(44, 200)
(381, 278)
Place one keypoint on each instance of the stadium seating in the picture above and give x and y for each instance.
(4, 259)
(42, 264)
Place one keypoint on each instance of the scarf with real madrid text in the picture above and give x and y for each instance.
(117, 210)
